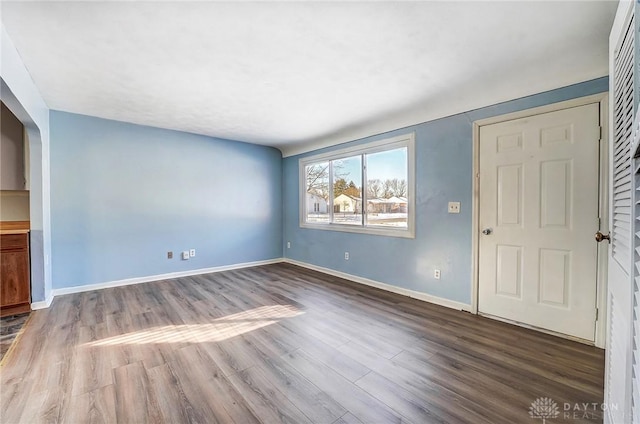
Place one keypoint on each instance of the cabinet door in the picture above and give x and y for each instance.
(14, 289)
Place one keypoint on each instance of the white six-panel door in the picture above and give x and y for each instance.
(539, 212)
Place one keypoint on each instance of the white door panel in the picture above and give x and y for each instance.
(539, 198)
(619, 375)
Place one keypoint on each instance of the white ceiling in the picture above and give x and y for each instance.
(299, 75)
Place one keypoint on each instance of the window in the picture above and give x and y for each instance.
(364, 189)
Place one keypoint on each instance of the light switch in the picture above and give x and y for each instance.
(454, 207)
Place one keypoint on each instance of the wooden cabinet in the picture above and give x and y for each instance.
(15, 284)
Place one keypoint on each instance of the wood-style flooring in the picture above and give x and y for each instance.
(10, 328)
(283, 344)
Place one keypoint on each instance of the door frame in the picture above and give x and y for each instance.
(603, 197)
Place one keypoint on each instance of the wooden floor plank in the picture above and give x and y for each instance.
(265, 400)
(433, 387)
(279, 343)
(417, 408)
(136, 401)
(336, 360)
(201, 384)
(175, 405)
(95, 407)
(348, 418)
(93, 363)
(365, 407)
(313, 402)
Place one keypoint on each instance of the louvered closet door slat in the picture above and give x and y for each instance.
(624, 179)
(635, 378)
(622, 198)
(621, 150)
(624, 57)
(621, 169)
(623, 121)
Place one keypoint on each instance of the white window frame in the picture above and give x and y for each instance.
(405, 140)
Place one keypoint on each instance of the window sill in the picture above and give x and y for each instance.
(387, 232)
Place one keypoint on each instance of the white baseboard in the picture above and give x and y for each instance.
(158, 277)
(361, 280)
(387, 287)
(44, 304)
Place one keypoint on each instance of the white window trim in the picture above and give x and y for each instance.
(406, 140)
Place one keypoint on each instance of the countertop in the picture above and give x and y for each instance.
(15, 227)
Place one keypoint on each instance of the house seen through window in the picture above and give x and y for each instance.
(364, 189)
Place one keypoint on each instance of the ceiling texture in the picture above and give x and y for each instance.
(302, 75)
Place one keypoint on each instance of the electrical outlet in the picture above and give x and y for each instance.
(454, 207)
(436, 274)
(288, 245)
(169, 255)
(346, 256)
(192, 253)
(185, 255)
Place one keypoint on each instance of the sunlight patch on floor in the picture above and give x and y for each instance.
(217, 330)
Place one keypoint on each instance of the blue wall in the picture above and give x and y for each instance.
(443, 241)
(122, 195)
